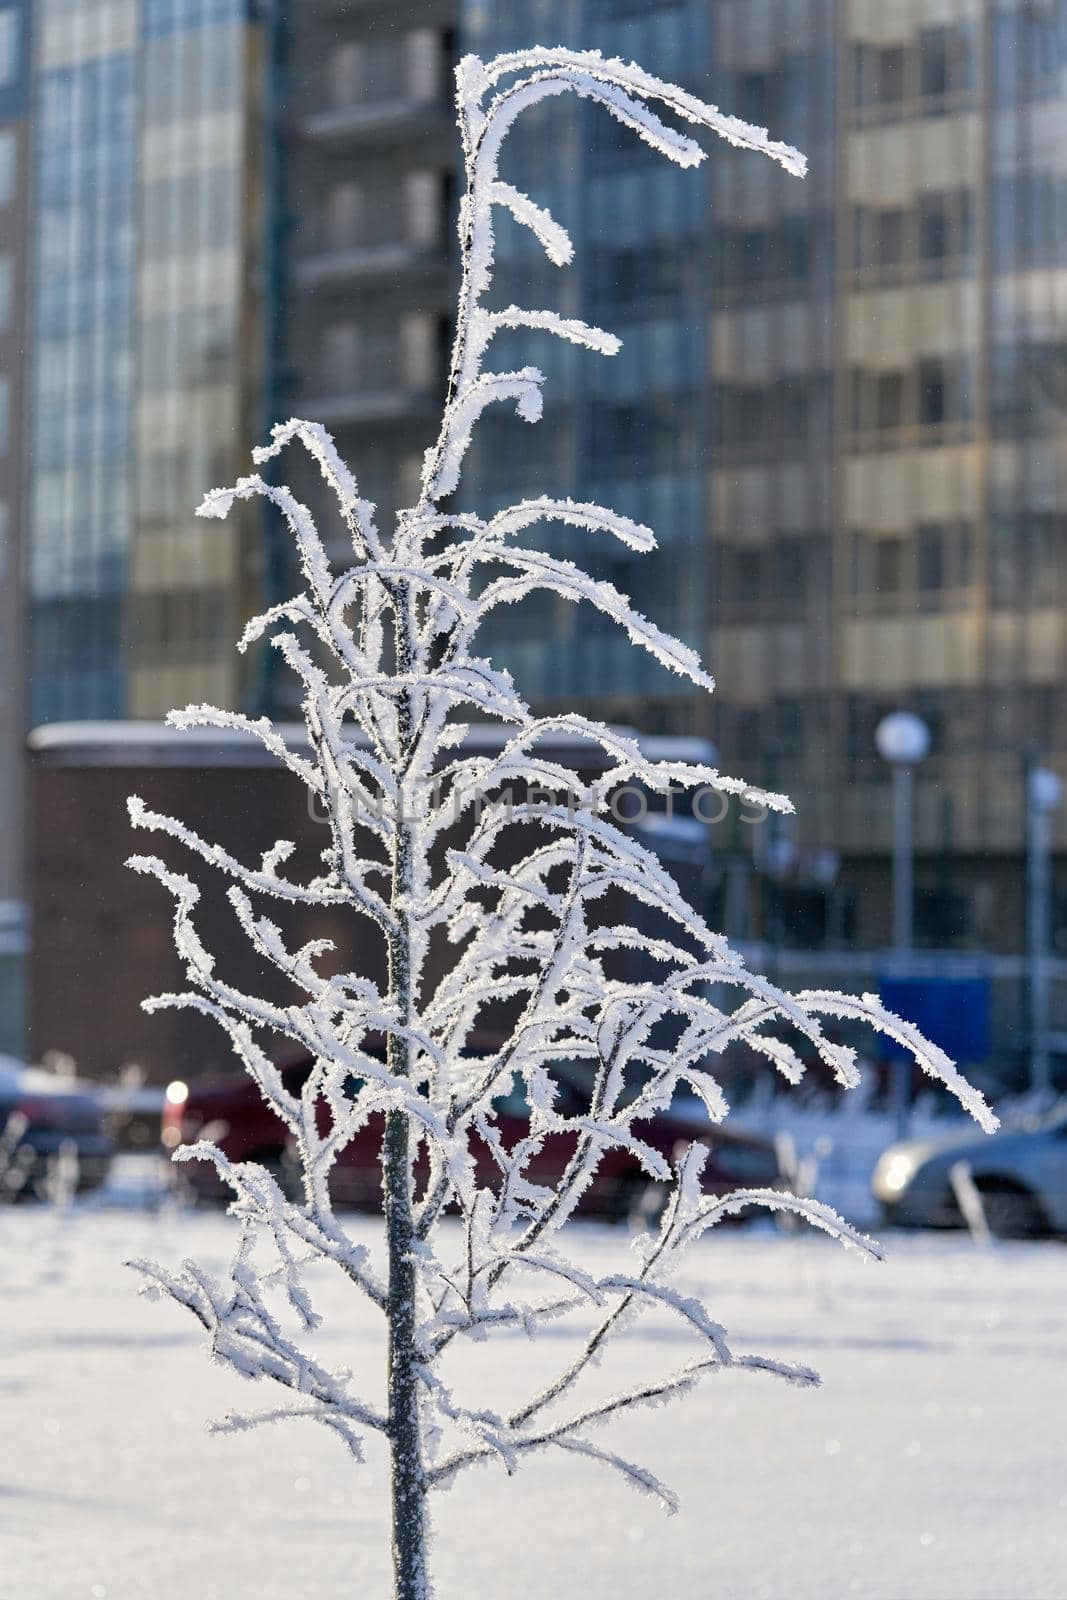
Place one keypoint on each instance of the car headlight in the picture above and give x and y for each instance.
(895, 1170)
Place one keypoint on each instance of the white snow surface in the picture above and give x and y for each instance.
(929, 1466)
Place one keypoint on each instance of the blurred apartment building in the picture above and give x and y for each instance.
(855, 388)
(889, 491)
(14, 58)
(371, 155)
(889, 499)
(144, 328)
(132, 143)
(237, 211)
(632, 431)
(839, 402)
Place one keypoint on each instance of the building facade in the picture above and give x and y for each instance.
(237, 211)
(909, 449)
(144, 227)
(629, 431)
(14, 63)
(858, 380)
(146, 350)
(839, 402)
(371, 156)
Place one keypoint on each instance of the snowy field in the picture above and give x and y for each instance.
(930, 1466)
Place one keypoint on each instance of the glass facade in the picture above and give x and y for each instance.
(628, 431)
(370, 188)
(139, 319)
(81, 392)
(1025, 481)
(198, 352)
(951, 599)
(774, 335)
(840, 404)
(14, 44)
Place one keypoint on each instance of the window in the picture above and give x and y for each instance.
(179, 621)
(796, 247)
(652, 279)
(340, 356)
(772, 262)
(424, 62)
(946, 66)
(934, 243)
(345, 74)
(946, 232)
(418, 351)
(371, 71)
(748, 575)
(963, 555)
(7, 279)
(878, 76)
(424, 208)
(933, 240)
(930, 552)
(965, 223)
(933, 394)
(888, 565)
(1029, 219)
(754, 255)
(752, 412)
(791, 569)
(344, 214)
(891, 75)
(890, 238)
(935, 70)
(855, 562)
(792, 410)
(8, 165)
(9, 46)
(934, 62)
(752, 88)
(889, 391)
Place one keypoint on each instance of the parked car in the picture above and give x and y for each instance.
(43, 1118)
(1020, 1175)
(233, 1115)
(134, 1114)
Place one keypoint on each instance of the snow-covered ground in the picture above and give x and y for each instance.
(930, 1466)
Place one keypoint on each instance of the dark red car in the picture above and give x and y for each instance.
(233, 1115)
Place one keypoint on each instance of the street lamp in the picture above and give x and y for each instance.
(903, 740)
(1044, 794)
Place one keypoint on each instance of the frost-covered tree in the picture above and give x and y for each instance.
(386, 652)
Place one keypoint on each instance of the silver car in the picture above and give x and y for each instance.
(1020, 1175)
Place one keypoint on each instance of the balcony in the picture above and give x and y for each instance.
(422, 266)
(371, 408)
(425, 13)
(377, 122)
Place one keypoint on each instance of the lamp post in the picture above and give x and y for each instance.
(1044, 794)
(903, 740)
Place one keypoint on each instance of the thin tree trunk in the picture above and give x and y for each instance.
(408, 1487)
(411, 1581)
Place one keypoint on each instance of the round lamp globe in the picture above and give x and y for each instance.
(902, 739)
